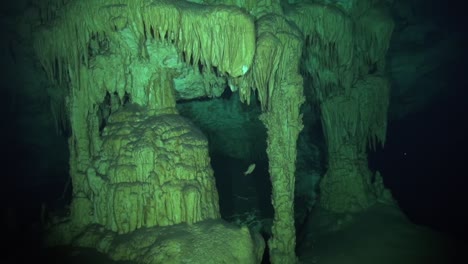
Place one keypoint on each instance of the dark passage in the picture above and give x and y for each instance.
(424, 161)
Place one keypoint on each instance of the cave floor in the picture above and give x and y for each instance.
(381, 235)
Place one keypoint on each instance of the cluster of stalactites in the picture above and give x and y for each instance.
(344, 56)
(341, 48)
(329, 46)
(215, 36)
(278, 51)
(361, 114)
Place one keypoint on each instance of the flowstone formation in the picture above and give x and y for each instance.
(152, 170)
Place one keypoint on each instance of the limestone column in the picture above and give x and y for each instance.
(280, 91)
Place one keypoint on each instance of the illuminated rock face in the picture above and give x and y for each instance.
(152, 170)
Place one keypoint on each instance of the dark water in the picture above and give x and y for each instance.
(424, 161)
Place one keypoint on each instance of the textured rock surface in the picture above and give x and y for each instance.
(153, 170)
(345, 60)
(211, 241)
